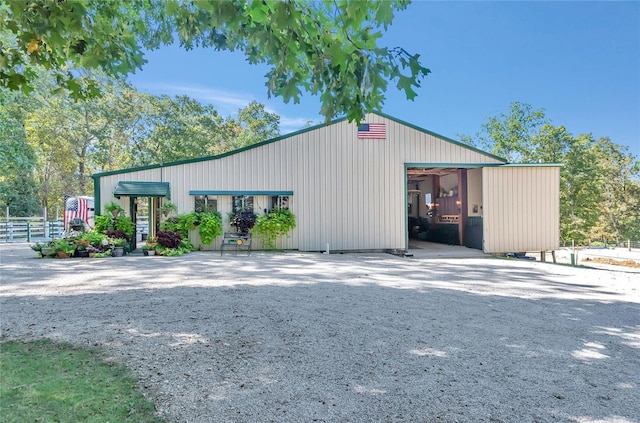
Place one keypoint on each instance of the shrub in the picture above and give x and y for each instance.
(187, 222)
(243, 221)
(122, 223)
(94, 238)
(125, 225)
(102, 223)
(169, 239)
(273, 225)
(210, 226)
(116, 233)
(171, 224)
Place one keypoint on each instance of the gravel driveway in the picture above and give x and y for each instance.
(302, 337)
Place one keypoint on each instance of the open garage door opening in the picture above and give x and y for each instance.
(444, 205)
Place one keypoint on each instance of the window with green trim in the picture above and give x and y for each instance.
(279, 202)
(206, 203)
(242, 203)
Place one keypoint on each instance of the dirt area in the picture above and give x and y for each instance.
(301, 337)
(614, 262)
(599, 258)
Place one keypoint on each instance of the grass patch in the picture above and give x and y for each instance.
(45, 381)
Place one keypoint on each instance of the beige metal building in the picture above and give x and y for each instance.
(368, 187)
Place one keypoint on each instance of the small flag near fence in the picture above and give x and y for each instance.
(372, 131)
(75, 207)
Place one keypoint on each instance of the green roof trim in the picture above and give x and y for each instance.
(142, 189)
(457, 165)
(241, 192)
(479, 165)
(534, 165)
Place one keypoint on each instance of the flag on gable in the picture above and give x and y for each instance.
(372, 131)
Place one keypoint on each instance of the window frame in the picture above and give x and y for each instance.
(210, 203)
(243, 199)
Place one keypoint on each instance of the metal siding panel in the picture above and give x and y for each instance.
(521, 211)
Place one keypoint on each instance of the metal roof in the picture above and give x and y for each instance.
(142, 189)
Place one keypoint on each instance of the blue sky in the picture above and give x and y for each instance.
(579, 61)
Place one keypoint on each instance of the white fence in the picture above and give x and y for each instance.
(142, 228)
(32, 229)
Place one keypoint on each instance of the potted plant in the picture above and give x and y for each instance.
(64, 247)
(113, 208)
(106, 253)
(48, 250)
(81, 248)
(272, 225)
(168, 208)
(210, 226)
(92, 250)
(243, 221)
(149, 249)
(118, 246)
(37, 247)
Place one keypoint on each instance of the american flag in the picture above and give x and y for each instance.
(75, 207)
(372, 131)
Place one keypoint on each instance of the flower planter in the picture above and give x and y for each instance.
(152, 252)
(118, 252)
(48, 252)
(82, 253)
(62, 254)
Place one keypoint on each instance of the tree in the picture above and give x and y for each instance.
(579, 189)
(179, 128)
(511, 135)
(18, 188)
(619, 187)
(254, 124)
(325, 48)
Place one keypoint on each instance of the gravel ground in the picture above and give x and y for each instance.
(301, 337)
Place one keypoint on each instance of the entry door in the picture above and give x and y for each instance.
(521, 208)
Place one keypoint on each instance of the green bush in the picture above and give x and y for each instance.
(210, 226)
(171, 224)
(93, 237)
(125, 224)
(106, 222)
(102, 223)
(276, 223)
(243, 221)
(64, 245)
(187, 222)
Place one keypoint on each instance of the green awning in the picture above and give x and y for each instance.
(142, 189)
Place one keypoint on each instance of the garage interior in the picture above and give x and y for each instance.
(444, 205)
